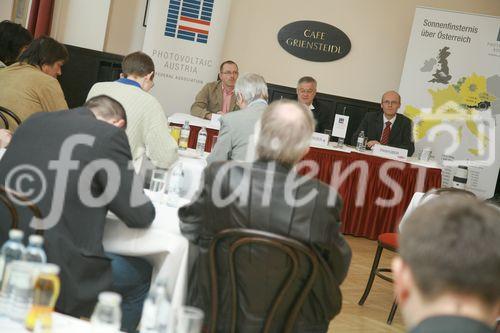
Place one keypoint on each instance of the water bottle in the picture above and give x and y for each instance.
(202, 139)
(175, 185)
(360, 146)
(12, 250)
(34, 251)
(183, 140)
(107, 315)
(156, 310)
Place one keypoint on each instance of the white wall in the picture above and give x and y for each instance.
(6, 9)
(81, 22)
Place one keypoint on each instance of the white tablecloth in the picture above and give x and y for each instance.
(162, 244)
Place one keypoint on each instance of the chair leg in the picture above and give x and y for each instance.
(393, 312)
(376, 260)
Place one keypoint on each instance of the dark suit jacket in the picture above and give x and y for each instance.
(313, 223)
(451, 324)
(401, 131)
(323, 116)
(75, 242)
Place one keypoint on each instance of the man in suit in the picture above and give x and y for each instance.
(217, 97)
(83, 164)
(237, 128)
(388, 127)
(306, 94)
(447, 276)
(269, 195)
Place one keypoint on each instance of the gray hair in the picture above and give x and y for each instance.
(106, 107)
(307, 79)
(285, 132)
(251, 87)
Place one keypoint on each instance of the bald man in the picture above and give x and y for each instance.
(387, 127)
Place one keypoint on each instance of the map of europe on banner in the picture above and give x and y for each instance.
(450, 88)
(185, 40)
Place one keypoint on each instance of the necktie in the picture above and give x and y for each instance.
(385, 134)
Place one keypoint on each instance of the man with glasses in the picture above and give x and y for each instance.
(388, 127)
(217, 97)
(306, 93)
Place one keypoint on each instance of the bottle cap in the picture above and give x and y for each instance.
(109, 298)
(36, 240)
(52, 269)
(16, 234)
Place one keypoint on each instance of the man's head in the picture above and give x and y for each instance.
(249, 88)
(47, 54)
(228, 74)
(107, 109)
(390, 103)
(450, 260)
(285, 133)
(306, 90)
(138, 66)
(14, 38)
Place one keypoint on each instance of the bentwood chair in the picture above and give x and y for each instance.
(13, 201)
(229, 243)
(5, 114)
(389, 241)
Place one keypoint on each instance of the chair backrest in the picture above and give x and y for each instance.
(3, 112)
(6, 196)
(293, 249)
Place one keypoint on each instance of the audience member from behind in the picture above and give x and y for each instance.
(83, 156)
(268, 195)
(306, 94)
(147, 129)
(447, 278)
(31, 85)
(218, 96)
(14, 39)
(236, 140)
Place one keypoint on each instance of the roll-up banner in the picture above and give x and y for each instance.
(450, 88)
(185, 40)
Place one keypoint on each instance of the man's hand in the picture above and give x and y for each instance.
(209, 116)
(5, 136)
(372, 143)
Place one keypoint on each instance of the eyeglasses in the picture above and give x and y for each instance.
(390, 102)
(306, 91)
(230, 73)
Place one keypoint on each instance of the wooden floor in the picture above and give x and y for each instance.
(372, 316)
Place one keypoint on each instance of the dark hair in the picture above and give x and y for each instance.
(306, 79)
(106, 107)
(44, 51)
(13, 37)
(227, 62)
(137, 63)
(450, 244)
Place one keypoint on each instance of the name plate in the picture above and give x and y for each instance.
(215, 119)
(320, 140)
(390, 152)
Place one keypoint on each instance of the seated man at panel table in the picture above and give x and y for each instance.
(388, 127)
(217, 97)
(236, 140)
(306, 94)
(267, 201)
(147, 129)
(447, 278)
(31, 85)
(83, 164)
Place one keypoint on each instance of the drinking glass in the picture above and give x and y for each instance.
(329, 133)
(214, 141)
(188, 320)
(158, 184)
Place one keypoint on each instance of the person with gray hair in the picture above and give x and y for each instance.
(237, 128)
(447, 275)
(269, 195)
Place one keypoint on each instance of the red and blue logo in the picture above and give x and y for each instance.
(189, 19)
